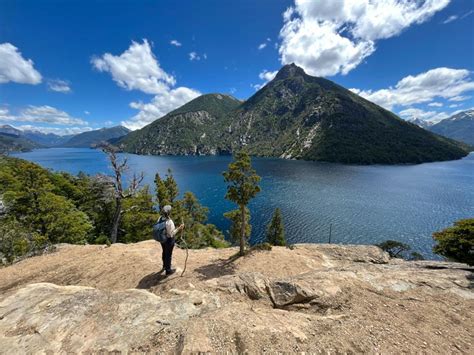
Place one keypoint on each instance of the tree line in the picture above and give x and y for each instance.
(40, 208)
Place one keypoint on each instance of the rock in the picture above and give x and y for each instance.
(44, 317)
(252, 284)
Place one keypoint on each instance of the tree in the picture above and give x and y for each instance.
(457, 242)
(119, 167)
(398, 249)
(162, 193)
(235, 230)
(242, 186)
(172, 186)
(394, 248)
(138, 217)
(276, 230)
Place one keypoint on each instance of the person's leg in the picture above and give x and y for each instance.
(168, 249)
(163, 253)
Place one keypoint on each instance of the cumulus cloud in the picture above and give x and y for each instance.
(435, 104)
(159, 106)
(15, 68)
(41, 114)
(63, 131)
(266, 76)
(331, 37)
(57, 85)
(422, 88)
(175, 43)
(135, 69)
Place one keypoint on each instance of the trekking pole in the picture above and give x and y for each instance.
(186, 248)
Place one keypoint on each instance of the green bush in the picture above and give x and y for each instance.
(457, 242)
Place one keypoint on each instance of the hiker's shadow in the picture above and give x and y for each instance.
(219, 268)
(151, 280)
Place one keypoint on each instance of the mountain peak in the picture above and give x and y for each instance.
(289, 71)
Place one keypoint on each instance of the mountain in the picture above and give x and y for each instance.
(46, 139)
(43, 139)
(294, 116)
(91, 138)
(15, 143)
(10, 130)
(421, 123)
(459, 127)
(198, 127)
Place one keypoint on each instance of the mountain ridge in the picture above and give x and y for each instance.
(295, 116)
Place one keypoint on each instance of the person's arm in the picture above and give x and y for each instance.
(171, 230)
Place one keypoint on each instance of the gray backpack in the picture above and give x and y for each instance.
(159, 230)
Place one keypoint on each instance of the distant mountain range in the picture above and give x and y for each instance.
(91, 138)
(459, 127)
(294, 116)
(14, 143)
(14, 139)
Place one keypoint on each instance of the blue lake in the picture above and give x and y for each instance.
(364, 204)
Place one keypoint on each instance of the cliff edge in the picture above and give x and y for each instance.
(314, 298)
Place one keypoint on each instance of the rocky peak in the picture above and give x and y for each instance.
(290, 71)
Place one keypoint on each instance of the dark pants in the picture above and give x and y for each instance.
(167, 253)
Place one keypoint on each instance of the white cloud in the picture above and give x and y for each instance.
(416, 113)
(42, 114)
(108, 123)
(175, 43)
(138, 68)
(159, 106)
(262, 46)
(266, 76)
(87, 112)
(15, 68)
(135, 69)
(440, 82)
(59, 131)
(194, 56)
(454, 105)
(435, 104)
(331, 37)
(57, 85)
(457, 17)
(459, 98)
(450, 19)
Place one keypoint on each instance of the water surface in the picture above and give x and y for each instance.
(364, 204)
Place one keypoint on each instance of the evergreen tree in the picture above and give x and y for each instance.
(276, 230)
(235, 230)
(242, 185)
(162, 194)
(171, 186)
(138, 218)
(457, 242)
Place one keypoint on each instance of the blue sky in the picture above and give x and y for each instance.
(70, 66)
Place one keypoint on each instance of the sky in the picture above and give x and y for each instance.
(72, 66)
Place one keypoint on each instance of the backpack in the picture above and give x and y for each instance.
(159, 231)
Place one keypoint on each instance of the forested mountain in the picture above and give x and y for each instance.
(88, 139)
(294, 116)
(15, 143)
(198, 127)
(459, 127)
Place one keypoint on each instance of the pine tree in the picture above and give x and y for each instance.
(276, 230)
(162, 194)
(242, 186)
(172, 186)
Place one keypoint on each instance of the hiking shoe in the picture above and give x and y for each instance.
(170, 272)
(161, 271)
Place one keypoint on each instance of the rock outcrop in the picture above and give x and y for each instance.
(315, 298)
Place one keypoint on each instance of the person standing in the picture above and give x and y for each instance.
(168, 244)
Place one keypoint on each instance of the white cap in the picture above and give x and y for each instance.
(166, 209)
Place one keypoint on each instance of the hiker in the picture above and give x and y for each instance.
(166, 232)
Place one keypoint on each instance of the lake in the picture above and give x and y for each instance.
(363, 204)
